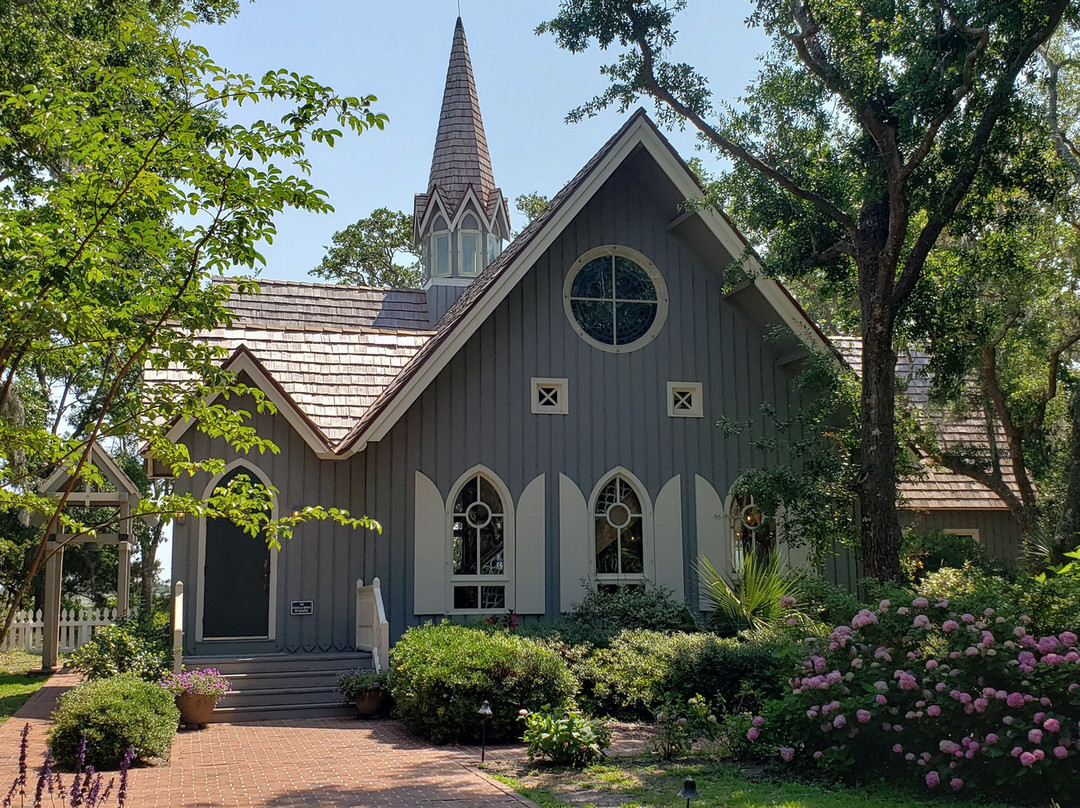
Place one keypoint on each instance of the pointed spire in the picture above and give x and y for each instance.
(461, 154)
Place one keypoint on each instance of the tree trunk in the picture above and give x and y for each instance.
(880, 528)
(148, 550)
(1067, 533)
(880, 531)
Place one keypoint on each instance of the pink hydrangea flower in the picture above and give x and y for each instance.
(1035, 736)
(956, 784)
(933, 711)
(1052, 725)
(817, 755)
(920, 603)
(991, 739)
(950, 625)
(933, 780)
(880, 699)
(921, 621)
(753, 733)
(1015, 700)
(1060, 752)
(968, 618)
(787, 753)
(863, 716)
(1068, 639)
(1027, 759)
(839, 721)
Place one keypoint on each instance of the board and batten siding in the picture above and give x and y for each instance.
(999, 532)
(477, 412)
(322, 561)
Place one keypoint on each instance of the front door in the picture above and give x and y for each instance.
(236, 582)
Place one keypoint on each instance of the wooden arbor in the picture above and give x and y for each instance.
(124, 496)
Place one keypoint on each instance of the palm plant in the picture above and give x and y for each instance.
(763, 595)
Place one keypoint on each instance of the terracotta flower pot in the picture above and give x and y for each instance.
(195, 708)
(370, 703)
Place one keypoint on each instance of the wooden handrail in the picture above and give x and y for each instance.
(372, 628)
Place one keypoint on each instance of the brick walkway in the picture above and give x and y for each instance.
(329, 763)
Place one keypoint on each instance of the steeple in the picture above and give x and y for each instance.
(462, 220)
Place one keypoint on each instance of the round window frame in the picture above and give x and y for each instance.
(658, 284)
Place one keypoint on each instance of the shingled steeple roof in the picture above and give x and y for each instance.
(461, 154)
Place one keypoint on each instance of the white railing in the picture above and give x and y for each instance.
(77, 627)
(372, 629)
(178, 627)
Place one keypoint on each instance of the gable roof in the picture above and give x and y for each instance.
(315, 350)
(936, 487)
(485, 293)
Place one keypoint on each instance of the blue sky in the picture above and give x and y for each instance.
(398, 50)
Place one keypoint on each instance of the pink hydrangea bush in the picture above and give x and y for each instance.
(951, 701)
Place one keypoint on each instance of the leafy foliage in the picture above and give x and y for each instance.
(356, 683)
(765, 594)
(641, 670)
(198, 682)
(569, 739)
(440, 674)
(603, 613)
(113, 715)
(364, 252)
(924, 552)
(123, 191)
(121, 648)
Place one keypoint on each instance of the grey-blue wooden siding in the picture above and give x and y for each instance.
(321, 563)
(477, 411)
(999, 532)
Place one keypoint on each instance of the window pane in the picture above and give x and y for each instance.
(593, 280)
(628, 498)
(467, 496)
(632, 555)
(493, 247)
(607, 547)
(466, 597)
(491, 547)
(596, 319)
(464, 549)
(632, 282)
(608, 497)
(470, 254)
(492, 597)
(442, 255)
(632, 321)
(489, 496)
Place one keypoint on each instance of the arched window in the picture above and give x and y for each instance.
(480, 542)
(470, 255)
(752, 530)
(619, 532)
(440, 248)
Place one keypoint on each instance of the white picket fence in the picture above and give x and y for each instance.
(77, 627)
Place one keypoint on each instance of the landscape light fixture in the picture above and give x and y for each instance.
(689, 790)
(485, 713)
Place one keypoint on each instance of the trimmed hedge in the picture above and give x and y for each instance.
(441, 674)
(640, 670)
(114, 714)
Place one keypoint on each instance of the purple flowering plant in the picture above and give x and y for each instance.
(198, 682)
(952, 701)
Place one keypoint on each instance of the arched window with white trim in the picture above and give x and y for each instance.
(621, 528)
(752, 529)
(481, 545)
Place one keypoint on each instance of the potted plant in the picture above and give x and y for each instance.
(366, 689)
(196, 693)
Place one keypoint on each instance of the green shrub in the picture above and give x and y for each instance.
(567, 739)
(114, 715)
(926, 551)
(603, 613)
(641, 670)
(1052, 606)
(121, 648)
(441, 674)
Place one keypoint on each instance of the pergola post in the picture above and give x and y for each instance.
(54, 571)
(123, 578)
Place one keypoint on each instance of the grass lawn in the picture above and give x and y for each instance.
(15, 686)
(641, 783)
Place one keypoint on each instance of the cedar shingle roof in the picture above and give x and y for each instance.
(333, 349)
(461, 154)
(938, 488)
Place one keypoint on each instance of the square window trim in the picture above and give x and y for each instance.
(684, 400)
(548, 396)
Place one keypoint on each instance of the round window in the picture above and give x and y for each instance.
(615, 298)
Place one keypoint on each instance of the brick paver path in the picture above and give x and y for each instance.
(329, 763)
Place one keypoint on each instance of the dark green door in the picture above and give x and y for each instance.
(236, 582)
